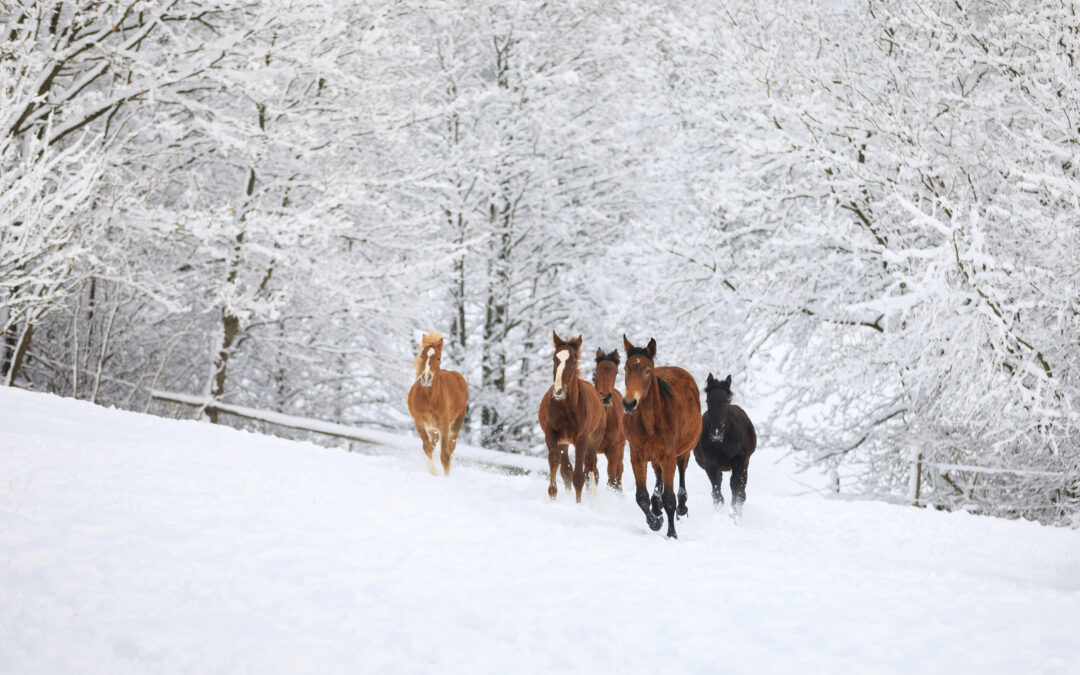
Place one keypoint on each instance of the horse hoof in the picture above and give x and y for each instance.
(655, 524)
(672, 535)
(682, 510)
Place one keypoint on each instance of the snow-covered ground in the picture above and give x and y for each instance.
(130, 543)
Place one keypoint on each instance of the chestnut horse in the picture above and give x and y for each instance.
(727, 441)
(570, 412)
(614, 445)
(437, 402)
(663, 422)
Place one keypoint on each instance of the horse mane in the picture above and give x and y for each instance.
(639, 351)
(612, 356)
(430, 338)
(722, 386)
(665, 388)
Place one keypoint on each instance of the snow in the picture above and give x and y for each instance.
(130, 543)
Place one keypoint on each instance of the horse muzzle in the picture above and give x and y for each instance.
(630, 407)
(606, 400)
(425, 380)
(718, 434)
(558, 394)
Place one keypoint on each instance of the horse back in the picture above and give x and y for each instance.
(747, 433)
(683, 407)
(457, 392)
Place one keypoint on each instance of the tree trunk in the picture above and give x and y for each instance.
(19, 353)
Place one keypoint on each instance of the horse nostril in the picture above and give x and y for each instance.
(629, 405)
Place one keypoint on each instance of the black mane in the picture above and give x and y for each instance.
(639, 351)
(612, 356)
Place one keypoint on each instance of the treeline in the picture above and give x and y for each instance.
(869, 209)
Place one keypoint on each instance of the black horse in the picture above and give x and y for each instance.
(726, 443)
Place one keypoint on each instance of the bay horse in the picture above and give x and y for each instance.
(663, 422)
(570, 412)
(726, 443)
(437, 402)
(614, 444)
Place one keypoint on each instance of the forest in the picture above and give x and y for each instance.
(866, 212)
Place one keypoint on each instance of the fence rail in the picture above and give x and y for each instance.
(505, 461)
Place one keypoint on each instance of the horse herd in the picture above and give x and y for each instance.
(659, 415)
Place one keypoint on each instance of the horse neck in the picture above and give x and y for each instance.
(573, 390)
(652, 404)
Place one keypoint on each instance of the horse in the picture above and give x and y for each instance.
(614, 445)
(437, 402)
(727, 440)
(662, 422)
(570, 412)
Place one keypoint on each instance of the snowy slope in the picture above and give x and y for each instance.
(130, 543)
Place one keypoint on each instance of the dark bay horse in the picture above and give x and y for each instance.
(726, 443)
(437, 401)
(663, 422)
(614, 445)
(570, 412)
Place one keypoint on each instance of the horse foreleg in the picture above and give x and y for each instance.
(554, 453)
(716, 477)
(614, 467)
(681, 508)
(581, 452)
(738, 489)
(592, 473)
(564, 466)
(669, 496)
(641, 494)
(429, 447)
(447, 449)
(658, 490)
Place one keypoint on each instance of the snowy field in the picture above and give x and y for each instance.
(130, 543)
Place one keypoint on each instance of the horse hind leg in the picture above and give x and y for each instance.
(681, 509)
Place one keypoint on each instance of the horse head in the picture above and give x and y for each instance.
(717, 399)
(565, 367)
(607, 369)
(638, 375)
(427, 361)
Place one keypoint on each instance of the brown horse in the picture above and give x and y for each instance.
(614, 445)
(437, 401)
(663, 422)
(570, 412)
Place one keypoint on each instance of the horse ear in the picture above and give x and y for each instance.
(727, 382)
(555, 338)
(614, 356)
(651, 348)
(626, 343)
(576, 342)
(710, 379)
(599, 353)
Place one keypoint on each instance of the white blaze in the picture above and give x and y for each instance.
(427, 360)
(562, 356)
